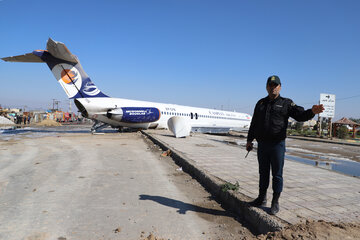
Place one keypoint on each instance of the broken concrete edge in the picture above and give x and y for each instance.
(237, 202)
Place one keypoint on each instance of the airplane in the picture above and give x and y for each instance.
(120, 113)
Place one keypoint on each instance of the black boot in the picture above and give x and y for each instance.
(260, 201)
(275, 207)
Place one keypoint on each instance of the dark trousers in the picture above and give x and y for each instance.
(271, 155)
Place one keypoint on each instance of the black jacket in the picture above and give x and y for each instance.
(270, 119)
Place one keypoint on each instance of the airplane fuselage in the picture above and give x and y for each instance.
(198, 118)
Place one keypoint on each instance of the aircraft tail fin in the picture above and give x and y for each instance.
(66, 68)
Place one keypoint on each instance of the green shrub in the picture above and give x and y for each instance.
(343, 132)
(309, 132)
(299, 126)
(292, 132)
(229, 186)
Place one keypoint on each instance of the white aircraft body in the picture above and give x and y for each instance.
(119, 113)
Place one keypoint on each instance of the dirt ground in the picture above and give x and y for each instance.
(316, 230)
(307, 231)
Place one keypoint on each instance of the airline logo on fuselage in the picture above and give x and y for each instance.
(140, 114)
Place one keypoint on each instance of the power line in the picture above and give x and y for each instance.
(347, 97)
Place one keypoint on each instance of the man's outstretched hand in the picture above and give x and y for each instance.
(316, 109)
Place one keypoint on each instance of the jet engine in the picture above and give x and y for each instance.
(115, 114)
(134, 114)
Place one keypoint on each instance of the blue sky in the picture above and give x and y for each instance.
(214, 54)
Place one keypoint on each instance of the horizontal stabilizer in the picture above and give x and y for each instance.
(29, 57)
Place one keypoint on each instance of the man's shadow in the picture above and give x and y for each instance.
(183, 207)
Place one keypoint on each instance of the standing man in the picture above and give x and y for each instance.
(268, 126)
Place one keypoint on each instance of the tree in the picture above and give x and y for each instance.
(299, 126)
(324, 123)
(357, 120)
(343, 132)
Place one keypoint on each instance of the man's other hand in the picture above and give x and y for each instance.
(249, 146)
(316, 109)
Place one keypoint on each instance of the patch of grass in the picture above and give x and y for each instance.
(229, 186)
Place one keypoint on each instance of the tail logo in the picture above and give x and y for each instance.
(69, 78)
(90, 89)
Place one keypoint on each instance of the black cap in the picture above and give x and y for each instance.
(273, 79)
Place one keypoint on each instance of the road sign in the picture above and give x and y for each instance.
(328, 100)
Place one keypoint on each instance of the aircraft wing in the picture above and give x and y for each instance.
(29, 57)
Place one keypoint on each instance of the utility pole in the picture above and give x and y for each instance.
(319, 126)
(57, 105)
(330, 128)
(319, 133)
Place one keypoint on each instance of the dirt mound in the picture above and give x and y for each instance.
(5, 121)
(48, 123)
(316, 230)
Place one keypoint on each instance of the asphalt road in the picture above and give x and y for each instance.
(74, 185)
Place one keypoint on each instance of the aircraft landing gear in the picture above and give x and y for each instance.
(98, 126)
